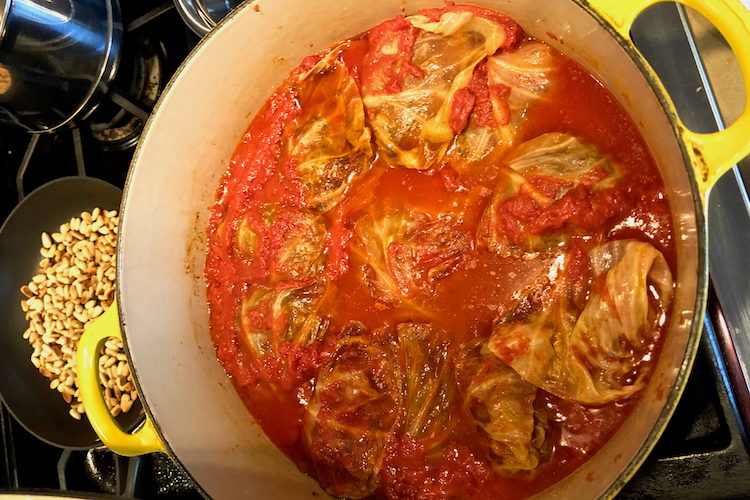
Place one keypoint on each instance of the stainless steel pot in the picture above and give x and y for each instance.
(201, 16)
(196, 414)
(57, 60)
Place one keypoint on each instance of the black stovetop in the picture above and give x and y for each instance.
(703, 453)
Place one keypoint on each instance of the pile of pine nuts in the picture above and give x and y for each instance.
(75, 285)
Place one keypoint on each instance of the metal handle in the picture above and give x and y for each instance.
(145, 440)
(202, 16)
(711, 154)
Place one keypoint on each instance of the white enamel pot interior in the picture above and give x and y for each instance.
(185, 149)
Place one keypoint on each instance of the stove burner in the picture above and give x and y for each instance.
(117, 123)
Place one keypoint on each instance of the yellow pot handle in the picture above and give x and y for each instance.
(711, 154)
(145, 440)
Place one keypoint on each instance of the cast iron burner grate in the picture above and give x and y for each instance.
(31, 465)
(113, 125)
(702, 454)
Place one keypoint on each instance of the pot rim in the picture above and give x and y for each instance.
(696, 328)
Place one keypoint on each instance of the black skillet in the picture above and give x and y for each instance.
(42, 410)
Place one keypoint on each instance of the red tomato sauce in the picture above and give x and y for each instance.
(465, 303)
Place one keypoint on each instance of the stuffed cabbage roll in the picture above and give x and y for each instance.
(502, 91)
(429, 382)
(518, 79)
(556, 186)
(296, 242)
(355, 408)
(413, 73)
(277, 326)
(592, 354)
(330, 144)
(566, 158)
(502, 405)
(281, 242)
(249, 245)
(406, 253)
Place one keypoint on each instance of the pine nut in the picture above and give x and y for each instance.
(74, 285)
(126, 403)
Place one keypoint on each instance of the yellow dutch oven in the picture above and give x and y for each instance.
(193, 412)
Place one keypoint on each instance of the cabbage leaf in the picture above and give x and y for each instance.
(502, 405)
(330, 144)
(557, 186)
(429, 382)
(592, 354)
(567, 158)
(296, 240)
(528, 75)
(354, 411)
(295, 314)
(284, 243)
(405, 252)
(507, 87)
(412, 125)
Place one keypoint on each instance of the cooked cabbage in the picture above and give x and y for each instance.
(429, 385)
(527, 74)
(249, 244)
(411, 119)
(330, 144)
(296, 240)
(592, 355)
(294, 314)
(566, 158)
(557, 186)
(281, 242)
(502, 405)
(504, 89)
(405, 253)
(355, 408)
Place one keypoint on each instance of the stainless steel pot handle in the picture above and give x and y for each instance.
(202, 16)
